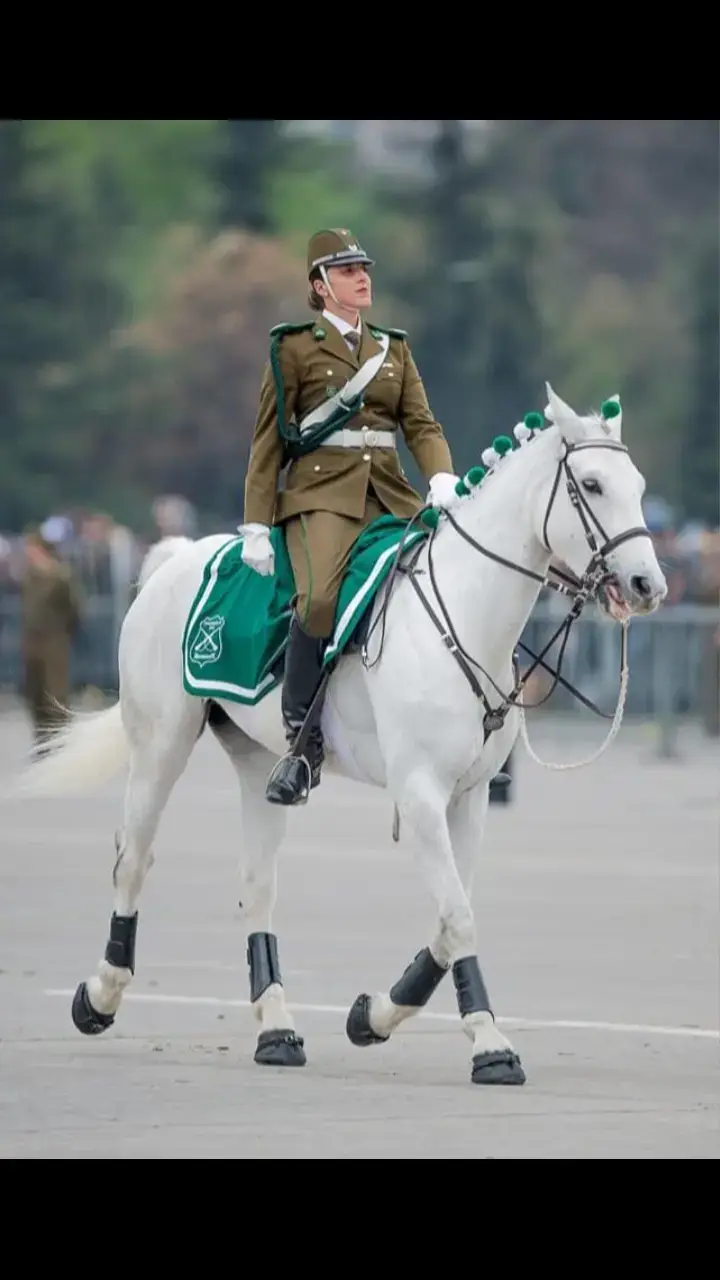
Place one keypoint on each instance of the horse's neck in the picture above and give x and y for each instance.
(489, 603)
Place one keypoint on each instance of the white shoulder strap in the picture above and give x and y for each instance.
(352, 388)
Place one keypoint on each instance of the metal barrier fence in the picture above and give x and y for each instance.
(674, 660)
(674, 657)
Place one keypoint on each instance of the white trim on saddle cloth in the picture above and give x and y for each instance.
(345, 624)
(350, 616)
(210, 686)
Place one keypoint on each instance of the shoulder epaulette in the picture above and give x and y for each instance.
(279, 330)
(375, 329)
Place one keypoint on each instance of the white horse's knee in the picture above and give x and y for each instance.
(256, 894)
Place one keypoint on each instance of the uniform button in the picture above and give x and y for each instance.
(366, 457)
(316, 467)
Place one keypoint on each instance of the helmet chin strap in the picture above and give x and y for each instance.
(328, 286)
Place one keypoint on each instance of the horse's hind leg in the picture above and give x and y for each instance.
(156, 764)
(263, 829)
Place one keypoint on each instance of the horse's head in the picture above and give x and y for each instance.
(590, 512)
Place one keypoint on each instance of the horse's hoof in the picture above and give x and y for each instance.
(87, 1019)
(357, 1027)
(280, 1049)
(501, 1067)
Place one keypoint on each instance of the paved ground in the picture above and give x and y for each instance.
(597, 905)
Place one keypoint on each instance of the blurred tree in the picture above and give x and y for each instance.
(159, 170)
(441, 280)
(56, 306)
(581, 251)
(316, 185)
(472, 289)
(129, 180)
(513, 383)
(210, 342)
(250, 152)
(619, 206)
(459, 243)
(699, 460)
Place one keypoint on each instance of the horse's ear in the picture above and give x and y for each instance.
(611, 411)
(565, 418)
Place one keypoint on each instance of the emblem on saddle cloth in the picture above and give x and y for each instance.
(207, 645)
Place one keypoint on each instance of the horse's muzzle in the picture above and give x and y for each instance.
(636, 594)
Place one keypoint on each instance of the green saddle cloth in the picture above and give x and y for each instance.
(237, 627)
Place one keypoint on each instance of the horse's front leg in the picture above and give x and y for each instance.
(438, 825)
(494, 1059)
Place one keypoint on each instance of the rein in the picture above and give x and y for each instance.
(580, 590)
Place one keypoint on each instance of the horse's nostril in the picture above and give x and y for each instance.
(641, 585)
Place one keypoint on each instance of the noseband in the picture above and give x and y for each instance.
(580, 590)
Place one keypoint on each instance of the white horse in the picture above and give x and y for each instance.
(412, 718)
(158, 553)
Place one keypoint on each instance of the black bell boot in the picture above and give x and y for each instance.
(293, 777)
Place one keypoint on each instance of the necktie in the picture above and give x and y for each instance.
(353, 340)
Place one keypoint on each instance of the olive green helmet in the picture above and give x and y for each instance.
(333, 248)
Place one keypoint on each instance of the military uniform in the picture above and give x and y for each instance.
(327, 494)
(338, 489)
(50, 614)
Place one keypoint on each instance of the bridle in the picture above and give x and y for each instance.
(584, 510)
(580, 590)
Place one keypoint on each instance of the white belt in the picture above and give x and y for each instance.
(365, 438)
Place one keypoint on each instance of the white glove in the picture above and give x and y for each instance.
(257, 549)
(442, 490)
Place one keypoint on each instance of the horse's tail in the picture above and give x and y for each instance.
(89, 750)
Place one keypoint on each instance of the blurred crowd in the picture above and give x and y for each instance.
(106, 555)
(66, 584)
(65, 587)
(689, 554)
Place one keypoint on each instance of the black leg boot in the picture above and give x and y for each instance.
(294, 776)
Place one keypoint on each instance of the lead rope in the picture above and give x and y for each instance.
(614, 727)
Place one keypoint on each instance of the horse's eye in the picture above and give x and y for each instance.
(592, 486)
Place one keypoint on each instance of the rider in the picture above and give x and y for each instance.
(328, 493)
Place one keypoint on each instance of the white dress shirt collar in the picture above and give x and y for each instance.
(343, 325)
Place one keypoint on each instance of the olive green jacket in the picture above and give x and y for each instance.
(315, 363)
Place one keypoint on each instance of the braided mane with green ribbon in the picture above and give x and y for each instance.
(524, 432)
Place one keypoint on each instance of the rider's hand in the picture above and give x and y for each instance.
(442, 490)
(257, 549)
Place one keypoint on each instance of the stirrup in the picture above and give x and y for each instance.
(290, 780)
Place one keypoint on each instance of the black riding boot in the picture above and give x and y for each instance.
(290, 781)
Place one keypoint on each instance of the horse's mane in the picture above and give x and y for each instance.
(501, 452)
